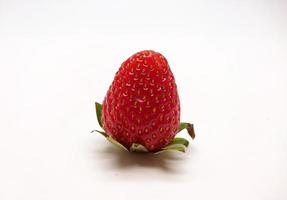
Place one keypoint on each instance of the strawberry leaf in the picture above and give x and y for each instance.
(138, 148)
(111, 140)
(176, 147)
(172, 147)
(179, 140)
(101, 132)
(188, 127)
(99, 113)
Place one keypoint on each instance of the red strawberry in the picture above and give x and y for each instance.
(142, 104)
(141, 110)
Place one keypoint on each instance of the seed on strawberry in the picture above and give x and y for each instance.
(142, 109)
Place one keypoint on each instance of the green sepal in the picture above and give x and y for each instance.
(177, 144)
(179, 140)
(188, 127)
(111, 140)
(176, 147)
(138, 148)
(101, 132)
(172, 147)
(99, 113)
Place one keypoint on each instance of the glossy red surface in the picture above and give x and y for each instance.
(142, 104)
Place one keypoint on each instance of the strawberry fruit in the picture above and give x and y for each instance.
(141, 110)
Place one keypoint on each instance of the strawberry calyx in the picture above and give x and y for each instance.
(177, 144)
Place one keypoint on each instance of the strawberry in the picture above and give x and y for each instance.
(141, 108)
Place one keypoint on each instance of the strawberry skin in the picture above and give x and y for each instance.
(142, 104)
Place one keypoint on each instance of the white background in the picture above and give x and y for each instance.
(229, 59)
